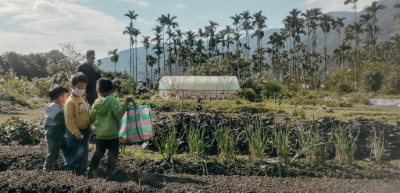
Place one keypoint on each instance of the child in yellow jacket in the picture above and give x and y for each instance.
(77, 120)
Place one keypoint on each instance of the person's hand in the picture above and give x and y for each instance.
(79, 137)
(130, 99)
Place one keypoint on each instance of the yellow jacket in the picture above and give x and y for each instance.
(76, 114)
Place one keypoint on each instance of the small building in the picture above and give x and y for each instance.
(186, 87)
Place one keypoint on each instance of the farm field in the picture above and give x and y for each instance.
(214, 96)
(145, 170)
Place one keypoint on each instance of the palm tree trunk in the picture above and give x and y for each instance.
(130, 58)
(147, 73)
(165, 70)
(325, 55)
(136, 65)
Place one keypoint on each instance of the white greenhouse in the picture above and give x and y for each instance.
(183, 87)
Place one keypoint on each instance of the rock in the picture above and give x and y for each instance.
(325, 109)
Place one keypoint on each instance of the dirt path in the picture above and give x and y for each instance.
(20, 172)
(25, 114)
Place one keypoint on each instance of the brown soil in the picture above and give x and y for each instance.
(20, 171)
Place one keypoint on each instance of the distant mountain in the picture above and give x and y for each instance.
(388, 28)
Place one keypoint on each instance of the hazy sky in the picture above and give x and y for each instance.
(28, 26)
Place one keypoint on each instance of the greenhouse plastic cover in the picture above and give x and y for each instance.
(199, 83)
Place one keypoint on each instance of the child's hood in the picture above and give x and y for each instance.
(102, 105)
(51, 110)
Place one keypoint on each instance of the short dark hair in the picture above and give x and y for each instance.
(56, 91)
(89, 52)
(104, 85)
(78, 77)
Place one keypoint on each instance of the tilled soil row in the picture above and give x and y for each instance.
(32, 158)
(39, 181)
(20, 171)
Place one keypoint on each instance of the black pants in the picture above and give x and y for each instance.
(91, 96)
(113, 150)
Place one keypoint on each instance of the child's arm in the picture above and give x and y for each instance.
(92, 116)
(119, 110)
(69, 114)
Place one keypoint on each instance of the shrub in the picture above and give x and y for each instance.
(5, 96)
(251, 83)
(270, 88)
(247, 93)
(21, 132)
(145, 96)
(373, 81)
(42, 86)
(124, 86)
(345, 88)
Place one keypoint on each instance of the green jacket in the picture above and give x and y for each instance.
(54, 124)
(106, 114)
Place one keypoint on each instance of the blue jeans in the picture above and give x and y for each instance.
(53, 151)
(78, 152)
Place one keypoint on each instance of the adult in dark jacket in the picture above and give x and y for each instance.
(92, 73)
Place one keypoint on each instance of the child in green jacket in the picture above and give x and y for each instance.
(106, 114)
(55, 126)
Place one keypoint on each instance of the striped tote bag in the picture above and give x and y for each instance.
(136, 124)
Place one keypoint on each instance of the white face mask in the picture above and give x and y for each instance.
(78, 92)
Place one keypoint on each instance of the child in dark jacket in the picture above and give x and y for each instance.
(55, 126)
(106, 113)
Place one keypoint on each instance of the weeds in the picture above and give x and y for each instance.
(196, 141)
(318, 149)
(226, 142)
(377, 146)
(299, 112)
(345, 144)
(281, 141)
(167, 144)
(257, 138)
(311, 145)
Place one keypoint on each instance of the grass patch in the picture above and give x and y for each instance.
(225, 106)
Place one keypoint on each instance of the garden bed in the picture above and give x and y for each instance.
(21, 172)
